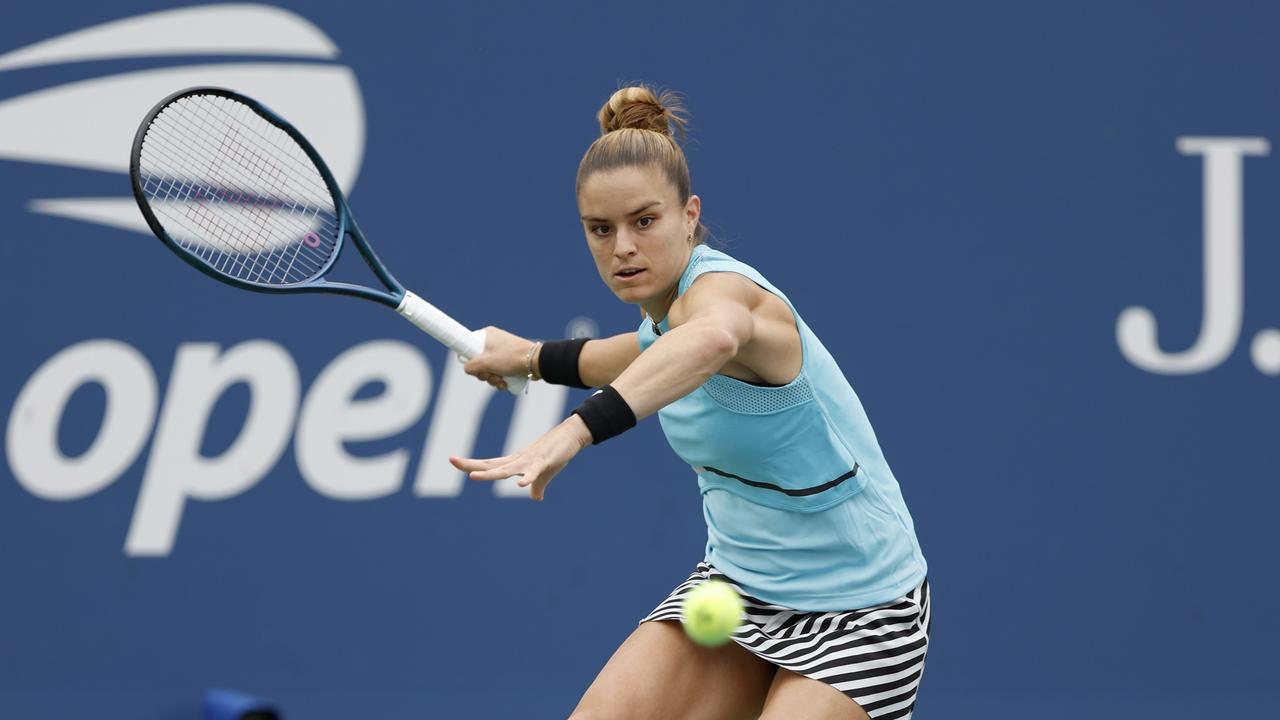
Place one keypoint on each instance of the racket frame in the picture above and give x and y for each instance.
(346, 223)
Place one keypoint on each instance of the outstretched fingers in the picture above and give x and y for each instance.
(474, 464)
(498, 473)
(498, 468)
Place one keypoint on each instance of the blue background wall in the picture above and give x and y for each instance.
(960, 199)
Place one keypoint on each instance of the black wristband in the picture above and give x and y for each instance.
(558, 362)
(606, 414)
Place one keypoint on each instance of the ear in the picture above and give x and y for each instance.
(692, 212)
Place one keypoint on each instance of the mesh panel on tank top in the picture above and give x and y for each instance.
(748, 399)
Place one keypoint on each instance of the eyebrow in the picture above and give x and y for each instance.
(637, 211)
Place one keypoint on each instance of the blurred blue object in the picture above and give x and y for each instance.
(231, 705)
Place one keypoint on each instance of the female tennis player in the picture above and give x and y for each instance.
(803, 515)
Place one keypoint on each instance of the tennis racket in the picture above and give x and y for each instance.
(241, 195)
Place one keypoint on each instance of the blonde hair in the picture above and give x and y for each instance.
(637, 129)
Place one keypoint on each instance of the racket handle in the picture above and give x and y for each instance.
(431, 320)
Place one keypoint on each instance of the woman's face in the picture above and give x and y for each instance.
(638, 232)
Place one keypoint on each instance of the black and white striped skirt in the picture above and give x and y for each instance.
(874, 655)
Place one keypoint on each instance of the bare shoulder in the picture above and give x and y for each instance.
(773, 354)
(714, 288)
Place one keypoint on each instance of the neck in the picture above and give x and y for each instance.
(658, 306)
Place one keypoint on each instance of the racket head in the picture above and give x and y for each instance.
(239, 193)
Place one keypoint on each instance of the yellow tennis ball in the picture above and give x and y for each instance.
(712, 611)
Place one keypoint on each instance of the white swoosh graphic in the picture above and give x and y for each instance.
(112, 212)
(91, 124)
(231, 29)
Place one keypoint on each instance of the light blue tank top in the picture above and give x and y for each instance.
(801, 507)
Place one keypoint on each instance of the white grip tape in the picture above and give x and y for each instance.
(431, 320)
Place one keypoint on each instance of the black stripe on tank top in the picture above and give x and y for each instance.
(800, 492)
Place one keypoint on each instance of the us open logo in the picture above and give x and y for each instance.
(90, 124)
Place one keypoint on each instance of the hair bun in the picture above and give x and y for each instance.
(641, 108)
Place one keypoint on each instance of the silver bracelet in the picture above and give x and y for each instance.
(528, 360)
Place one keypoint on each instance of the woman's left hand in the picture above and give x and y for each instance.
(535, 464)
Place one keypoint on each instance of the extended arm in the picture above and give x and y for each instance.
(600, 362)
(603, 360)
(713, 322)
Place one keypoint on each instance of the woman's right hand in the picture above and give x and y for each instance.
(504, 355)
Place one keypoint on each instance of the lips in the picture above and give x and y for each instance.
(628, 273)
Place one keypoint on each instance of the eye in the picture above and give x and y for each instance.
(600, 230)
(645, 221)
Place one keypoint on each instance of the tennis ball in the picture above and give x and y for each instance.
(712, 611)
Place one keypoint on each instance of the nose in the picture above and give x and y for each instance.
(624, 245)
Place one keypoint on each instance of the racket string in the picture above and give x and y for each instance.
(249, 201)
(231, 225)
(233, 233)
(204, 122)
(168, 154)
